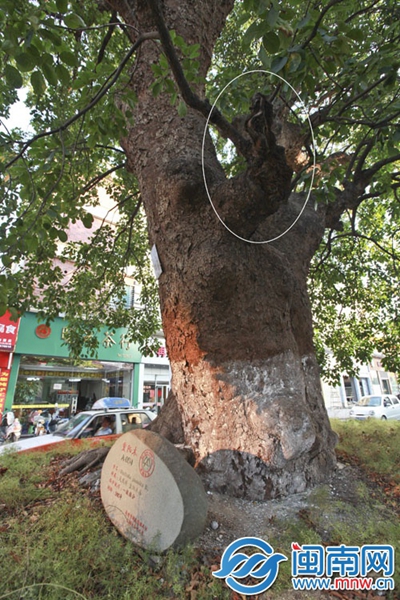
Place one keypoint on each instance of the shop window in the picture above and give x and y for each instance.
(129, 296)
(72, 385)
(349, 388)
(365, 387)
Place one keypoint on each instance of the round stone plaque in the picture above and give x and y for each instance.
(150, 493)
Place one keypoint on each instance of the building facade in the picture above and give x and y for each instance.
(371, 379)
(43, 375)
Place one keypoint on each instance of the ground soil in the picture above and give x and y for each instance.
(230, 518)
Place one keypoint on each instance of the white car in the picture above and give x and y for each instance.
(376, 406)
(88, 423)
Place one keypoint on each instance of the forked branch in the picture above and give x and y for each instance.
(204, 107)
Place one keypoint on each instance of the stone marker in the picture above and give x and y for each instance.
(150, 493)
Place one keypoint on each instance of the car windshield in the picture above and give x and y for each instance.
(71, 427)
(370, 401)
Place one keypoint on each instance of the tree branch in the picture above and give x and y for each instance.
(107, 38)
(366, 122)
(361, 236)
(369, 173)
(353, 193)
(96, 180)
(361, 94)
(191, 99)
(361, 161)
(88, 107)
(319, 21)
(362, 11)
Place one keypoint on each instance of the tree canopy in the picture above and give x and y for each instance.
(76, 59)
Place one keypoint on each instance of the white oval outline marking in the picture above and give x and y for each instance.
(313, 153)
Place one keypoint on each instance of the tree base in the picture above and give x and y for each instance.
(259, 430)
(244, 475)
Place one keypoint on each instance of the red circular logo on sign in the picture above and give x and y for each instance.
(43, 331)
(147, 463)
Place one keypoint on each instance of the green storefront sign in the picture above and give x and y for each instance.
(36, 339)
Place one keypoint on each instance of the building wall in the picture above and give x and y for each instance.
(42, 362)
(41, 356)
(371, 379)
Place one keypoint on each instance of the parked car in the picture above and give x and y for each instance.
(385, 406)
(120, 415)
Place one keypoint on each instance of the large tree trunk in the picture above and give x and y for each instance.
(245, 383)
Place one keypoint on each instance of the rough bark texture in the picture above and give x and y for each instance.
(245, 384)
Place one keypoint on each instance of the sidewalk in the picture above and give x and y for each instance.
(338, 413)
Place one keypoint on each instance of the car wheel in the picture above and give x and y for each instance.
(383, 418)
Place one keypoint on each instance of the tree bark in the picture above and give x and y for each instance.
(246, 393)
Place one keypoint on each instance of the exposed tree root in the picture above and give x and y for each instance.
(85, 460)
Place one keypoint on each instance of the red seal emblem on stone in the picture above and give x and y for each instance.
(147, 463)
(43, 331)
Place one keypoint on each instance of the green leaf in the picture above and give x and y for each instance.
(52, 36)
(265, 59)
(254, 32)
(62, 236)
(157, 70)
(169, 86)
(194, 51)
(8, 46)
(87, 220)
(304, 21)
(38, 83)
(294, 61)
(182, 109)
(156, 88)
(62, 74)
(82, 81)
(14, 313)
(278, 63)
(272, 16)
(102, 126)
(91, 141)
(6, 260)
(271, 42)
(69, 59)
(25, 61)
(62, 5)
(53, 232)
(74, 21)
(13, 77)
(356, 34)
(164, 62)
(29, 38)
(50, 74)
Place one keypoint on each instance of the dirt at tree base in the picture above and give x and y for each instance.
(236, 517)
(348, 499)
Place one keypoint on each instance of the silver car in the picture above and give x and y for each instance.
(88, 424)
(385, 406)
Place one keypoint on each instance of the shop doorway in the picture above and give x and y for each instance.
(73, 386)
